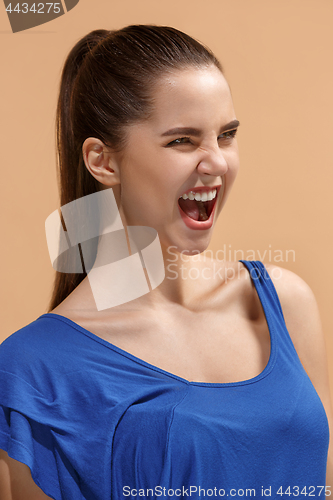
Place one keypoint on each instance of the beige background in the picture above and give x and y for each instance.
(277, 57)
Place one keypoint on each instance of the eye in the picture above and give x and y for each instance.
(230, 134)
(180, 140)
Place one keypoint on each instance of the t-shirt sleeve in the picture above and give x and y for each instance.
(62, 395)
(26, 425)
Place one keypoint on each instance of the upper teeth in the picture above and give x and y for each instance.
(203, 196)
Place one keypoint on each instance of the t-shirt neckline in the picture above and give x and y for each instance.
(268, 368)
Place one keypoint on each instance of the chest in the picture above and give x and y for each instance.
(209, 347)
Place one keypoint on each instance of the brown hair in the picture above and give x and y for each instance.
(106, 84)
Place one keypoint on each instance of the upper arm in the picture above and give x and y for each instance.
(302, 317)
(16, 482)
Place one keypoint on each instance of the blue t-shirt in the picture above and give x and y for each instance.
(95, 422)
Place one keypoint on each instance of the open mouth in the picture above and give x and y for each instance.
(198, 205)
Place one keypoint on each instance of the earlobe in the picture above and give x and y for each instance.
(99, 161)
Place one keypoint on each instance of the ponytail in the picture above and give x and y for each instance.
(73, 178)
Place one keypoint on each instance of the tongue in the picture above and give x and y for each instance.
(193, 209)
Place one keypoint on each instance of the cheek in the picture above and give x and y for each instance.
(233, 171)
(146, 191)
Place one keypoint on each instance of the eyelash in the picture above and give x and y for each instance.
(232, 132)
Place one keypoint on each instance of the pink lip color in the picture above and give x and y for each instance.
(194, 224)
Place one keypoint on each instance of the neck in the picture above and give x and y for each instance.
(186, 277)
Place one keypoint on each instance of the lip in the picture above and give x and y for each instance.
(193, 224)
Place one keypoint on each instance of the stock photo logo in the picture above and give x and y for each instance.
(25, 15)
(121, 265)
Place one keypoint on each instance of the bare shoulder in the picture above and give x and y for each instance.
(301, 313)
(302, 318)
(288, 283)
(299, 306)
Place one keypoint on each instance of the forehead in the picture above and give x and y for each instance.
(192, 95)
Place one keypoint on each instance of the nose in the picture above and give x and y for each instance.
(212, 161)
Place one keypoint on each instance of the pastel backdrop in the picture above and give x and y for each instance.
(277, 58)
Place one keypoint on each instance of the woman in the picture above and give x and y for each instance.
(202, 387)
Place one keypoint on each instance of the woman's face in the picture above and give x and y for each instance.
(159, 165)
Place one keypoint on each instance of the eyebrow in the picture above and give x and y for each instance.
(197, 132)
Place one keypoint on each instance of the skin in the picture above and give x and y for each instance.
(147, 179)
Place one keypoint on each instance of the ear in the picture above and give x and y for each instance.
(100, 162)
